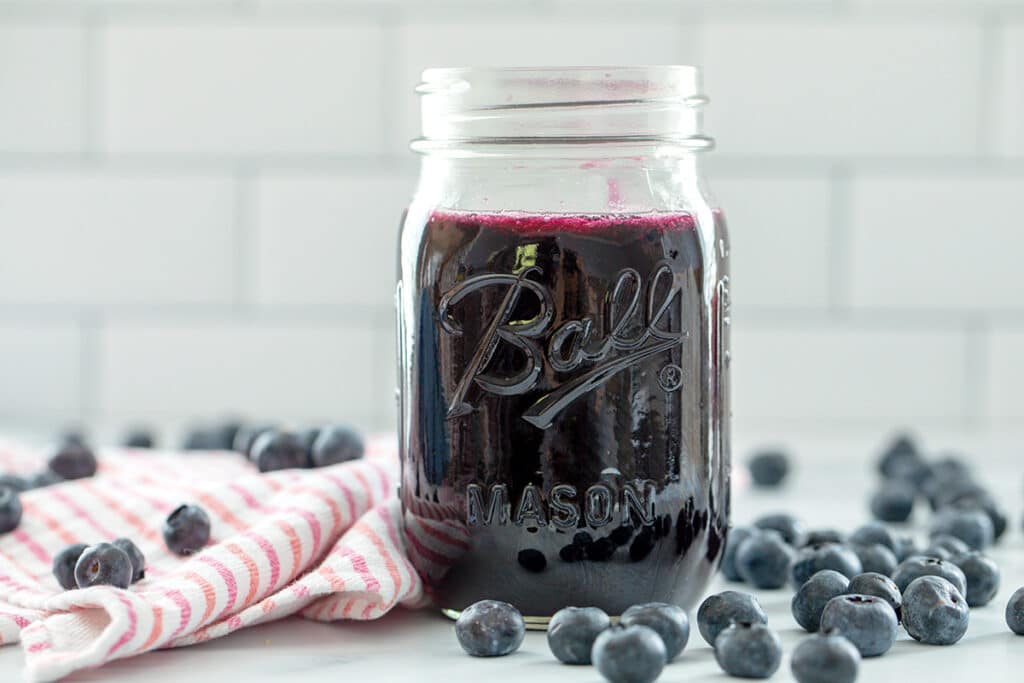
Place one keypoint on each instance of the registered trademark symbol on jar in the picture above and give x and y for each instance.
(671, 377)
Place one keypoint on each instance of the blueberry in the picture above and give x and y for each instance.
(621, 535)
(600, 550)
(336, 444)
(819, 536)
(641, 546)
(186, 530)
(10, 509)
(43, 479)
(901, 449)
(763, 560)
(222, 436)
(814, 558)
(876, 558)
(135, 555)
(308, 437)
(13, 481)
(668, 621)
(103, 564)
(769, 468)
(867, 621)
(787, 525)
(64, 565)
(973, 527)
(938, 552)
(532, 560)
(811, 598)
(894, 502)
(572, 632)
(872, 533)
(571, 553)
(982, 575)
(983, 500)
(198, 439)
(719, 610)
(906, 546)
(749, 650)
(139, 437)
(1015, 612)
(247, 435)
(72, 460)
(630, 654)
(490, 628)
(880, 586)
(916, 567)
(934, 611)
(952, 545)
(825, 658)
(733, 541)
(274, 450)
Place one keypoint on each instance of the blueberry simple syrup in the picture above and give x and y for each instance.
(561, 391)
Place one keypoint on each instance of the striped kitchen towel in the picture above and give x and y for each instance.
(321, 543)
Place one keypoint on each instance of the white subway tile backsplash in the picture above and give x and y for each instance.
(323, 239)
(937, 242)
(170, 372)
(1006, 374)
(241, 88)
(105, 238)
(1009, 95)
(573, 41)
(845, 372)
(42, 89)
(40, 374)
(779, 232)
(855, 88)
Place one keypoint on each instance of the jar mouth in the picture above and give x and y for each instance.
(481, 106)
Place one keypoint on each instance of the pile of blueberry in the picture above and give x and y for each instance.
(270, 448)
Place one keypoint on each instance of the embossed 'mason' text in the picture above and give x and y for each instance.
(562, 506)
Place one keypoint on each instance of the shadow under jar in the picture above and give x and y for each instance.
(563, 337)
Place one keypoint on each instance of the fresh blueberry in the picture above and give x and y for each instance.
(719, 610)
(1015, 612)
(274, 450)
(982, 575)
(900, 450)
(946, 479)
(819, 536)
(763, 560)
(906, 546)
(64, 565)
(73, 460)
(490, 628)
(868, 621)
(621, 535)
(811, 598)
(918, 566)
(973, 527)
(221, 437)
(13, 481)
(952, 545)
(43, 479)
(668, 621)
(10, 509)
(532, 560)
(337, 444)
(825, 658)
(103, 564)
(733, 541)
(247, 435)
(571, 553)
(938, 552)
(787, 525)
(572, 632)
(198, 439)
(769, 468)
(139, 437)
(876, 558)
(984, 501)
(600, 550)
(872, 533)
(631, 654)
(135, 555)
(894, 502)
(813, 558)
(880, 586)
(642, 545)
(934, 611)
(186, 530)
(309, 437)
(749, 650)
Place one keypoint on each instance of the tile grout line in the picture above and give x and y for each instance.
(839, 226)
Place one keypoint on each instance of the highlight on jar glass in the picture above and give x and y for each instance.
(563, 329)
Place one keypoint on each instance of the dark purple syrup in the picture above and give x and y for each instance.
(559, 402)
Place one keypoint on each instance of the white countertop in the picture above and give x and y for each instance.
(828, 489)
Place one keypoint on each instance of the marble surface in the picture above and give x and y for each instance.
(829, 488)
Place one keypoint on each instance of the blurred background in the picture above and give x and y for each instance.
(199, 201)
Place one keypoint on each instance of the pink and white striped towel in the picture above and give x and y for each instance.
(321, 543)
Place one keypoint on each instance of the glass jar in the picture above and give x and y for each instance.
(563, 324)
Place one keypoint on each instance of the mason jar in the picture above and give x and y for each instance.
(563, 336)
